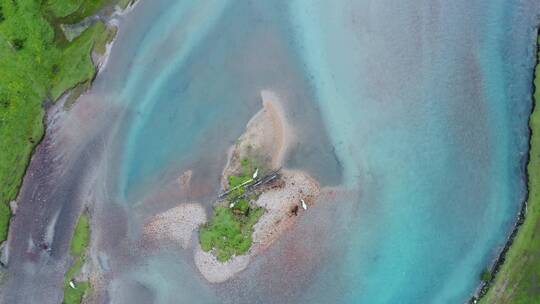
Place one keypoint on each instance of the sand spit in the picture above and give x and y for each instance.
(176, 224)
(283, 133)
(267, 138)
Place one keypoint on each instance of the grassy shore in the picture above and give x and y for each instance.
(37, 64)
(518, 280)
(79, 245)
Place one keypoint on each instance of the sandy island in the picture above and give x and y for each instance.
(268, 137)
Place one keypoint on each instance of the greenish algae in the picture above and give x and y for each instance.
(518, 280)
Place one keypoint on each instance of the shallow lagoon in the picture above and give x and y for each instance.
(418, 107)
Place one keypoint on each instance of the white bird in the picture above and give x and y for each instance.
(71, 284)
(256, 173)
(304, 206)
(231, 205)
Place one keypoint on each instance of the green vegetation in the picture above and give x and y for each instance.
(79, 245)
(485, 276)
(229, 233)
(103, 38)
(63, 8)
(75, 66)
(81, 236)
(248, 166)
(73, 11)
(518, 280)
(38, 63)
(230, 229)
(5, 214)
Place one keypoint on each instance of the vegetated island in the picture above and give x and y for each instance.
(47, 48)
(259, 202)
(515, 277)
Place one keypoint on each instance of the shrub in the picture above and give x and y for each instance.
(485, 275)
(18, 44)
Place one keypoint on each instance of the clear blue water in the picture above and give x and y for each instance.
(424, 105)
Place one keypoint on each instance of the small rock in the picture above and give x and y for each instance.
(13, 205)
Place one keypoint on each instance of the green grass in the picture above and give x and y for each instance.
(518, 281)
(81, 236)
(36, 64)
(248, 166)
(103, 39)
(73, 11)
(75, 66)
(79, 245)
(229, 233)
(5, 215)
(62, 8)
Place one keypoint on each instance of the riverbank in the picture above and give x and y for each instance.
(514, 276)
(40, 64)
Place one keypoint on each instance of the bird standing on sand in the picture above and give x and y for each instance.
(304, 205)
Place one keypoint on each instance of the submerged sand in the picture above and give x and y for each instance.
(176, 224)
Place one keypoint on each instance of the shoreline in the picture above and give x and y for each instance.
(54, 114)
(499, 261)
(113, 21)
(53, 110)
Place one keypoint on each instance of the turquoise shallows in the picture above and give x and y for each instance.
(425, 104)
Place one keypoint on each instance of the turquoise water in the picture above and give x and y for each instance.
(420, 107)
